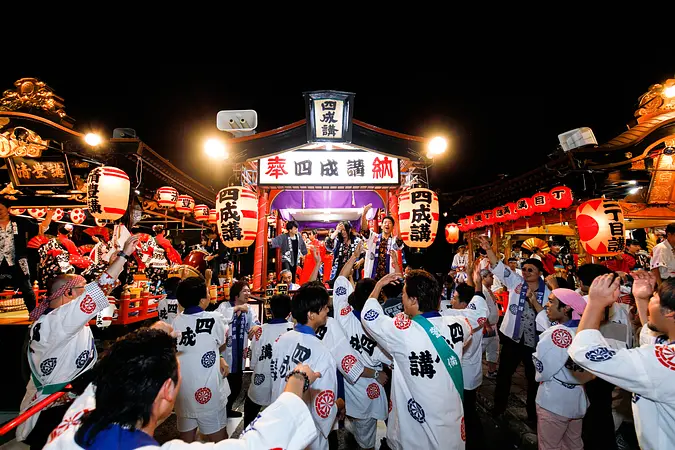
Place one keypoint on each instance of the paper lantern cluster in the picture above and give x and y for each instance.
(560, 198)
(237, 216)
(601, 227)
(418, 217)
(107, 193)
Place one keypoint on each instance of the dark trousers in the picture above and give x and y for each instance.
(472, 423)
(511, 355)
(14, 276)
(234, 379)
(47, 421)
(285, 265)
(251, 410)
(598, 424)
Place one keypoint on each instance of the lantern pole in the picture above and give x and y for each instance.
(278, 250)
(260, 243)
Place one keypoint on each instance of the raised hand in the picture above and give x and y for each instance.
(484, 243)
(604, 291)
(643, 285)
(130, 244)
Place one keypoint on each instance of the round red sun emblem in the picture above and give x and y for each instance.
(462, 430)
(373, 391)
(324, 402)
(561, 338)
(87, 305)
(348, 362)
(588, 227)
(666, 356)
(203, 395)
(402, 321)
(346, 310)
(258, 333)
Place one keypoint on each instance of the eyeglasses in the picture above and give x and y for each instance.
(529, 269)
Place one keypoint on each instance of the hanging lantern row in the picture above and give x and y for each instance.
(168, 197)
(560, 198)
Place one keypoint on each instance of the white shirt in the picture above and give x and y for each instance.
(293, 348)
(167, 309)
(250, 319)
(646, 371)
(365, 398)
(203, 391)
(427, 411)
(664, 259)
(513, 314)
(372, 249)
(559, 391)
(493, 311)
(61, 347)
(260, 389)
(285, 424)
(472, 365)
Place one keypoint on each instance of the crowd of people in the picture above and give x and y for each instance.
(401, 346)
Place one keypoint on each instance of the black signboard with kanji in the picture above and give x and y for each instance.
(329, 116)
(45, 171)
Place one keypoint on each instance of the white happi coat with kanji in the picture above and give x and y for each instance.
(167, 310)
(61, 347)
(295, 347)
(260, 389)
(347, 359)
(427, 411)
(249, 319)
(472, 361)
(366, 398)
(648, 372)
(203, 391)
(559, 391)
(286, 424)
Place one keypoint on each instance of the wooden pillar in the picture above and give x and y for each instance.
(277, 264)
(260, 243)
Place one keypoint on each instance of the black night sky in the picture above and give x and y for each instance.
(502, 124)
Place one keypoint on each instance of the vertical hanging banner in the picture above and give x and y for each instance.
(601, 228)
(329, 116)
(237, 216)
(418, 217)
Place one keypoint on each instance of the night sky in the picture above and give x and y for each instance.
(504, 123)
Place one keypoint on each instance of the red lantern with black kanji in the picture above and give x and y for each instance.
(542, 202)
(524, 207)
(468, 223)
(488, 217)
(498, 214)
(452, 233)
(461, 226)
(510, 212)
(561, 197)
(601, 228)
(477, 220)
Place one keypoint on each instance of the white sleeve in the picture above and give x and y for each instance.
(286, 424)
(381, 327)
(624, 368)
(70, 318)
(476, 312)
(657, 257)
(455, 262)
(341, 291)
(548, 358)
(542, 321)
(506, 276)
(324, 394)
(220, 329)
(225, 309)
(252, 318)
(347, 359)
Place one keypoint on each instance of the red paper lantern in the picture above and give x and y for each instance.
(477, 220)
(510, 212)
(561, 197)
(452, 233)
(461, 225)
(498, 214)
(524, 207)
(542, 202)
(488, 217)
(601, 228)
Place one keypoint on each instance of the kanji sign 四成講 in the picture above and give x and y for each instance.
(307, 168)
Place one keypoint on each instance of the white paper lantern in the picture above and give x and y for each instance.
(201, 213)
(17, 211)
(37, 213)
(167, 197)
(107, 192)
(185, 204)
(77, 215)
(58, 214)
(418, 217)
(213, 217)
(237, 216)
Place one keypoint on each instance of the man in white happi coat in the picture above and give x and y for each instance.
(663, 256)
(167, 308)
(379, 246)
(646, 371)
(241, 321)
(203, 398)
(262, 347)
(301, 346)
(427, 382)
(459, 264)
(490, 344)
(366, 400)
(527, 296)
(61, 345)
(135, 389)
(561, 398)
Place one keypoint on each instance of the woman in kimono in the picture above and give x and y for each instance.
(342, 244)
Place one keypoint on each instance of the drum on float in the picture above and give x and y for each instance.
(197, 260)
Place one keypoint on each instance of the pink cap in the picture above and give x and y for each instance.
(572, 299)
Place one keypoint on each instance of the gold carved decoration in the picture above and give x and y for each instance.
(9, 189)
(663, 178)
(31, 93)
(21, 141)
(149, 205)
(659, 99)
